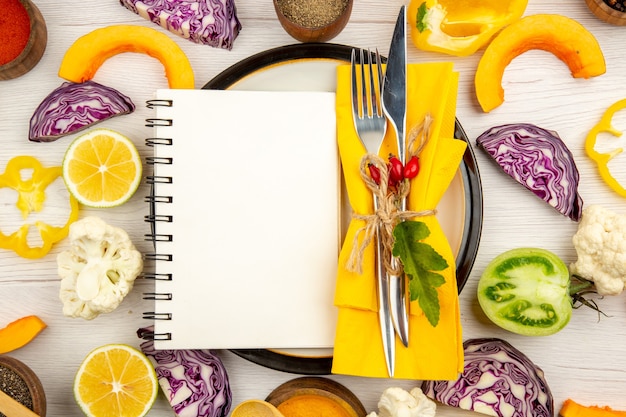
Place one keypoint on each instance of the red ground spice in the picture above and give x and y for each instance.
(14, 29)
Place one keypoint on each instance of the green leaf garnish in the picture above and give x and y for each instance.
(419, 261)
(420, 22)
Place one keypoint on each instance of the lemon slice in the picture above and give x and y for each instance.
(115, 380)
(102, 168)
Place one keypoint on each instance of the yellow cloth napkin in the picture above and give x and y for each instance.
(434, 353)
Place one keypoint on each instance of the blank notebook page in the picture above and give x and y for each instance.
(255, 219)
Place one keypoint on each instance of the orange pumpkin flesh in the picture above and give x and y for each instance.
(20, 332)
(573, 409)
(83, 59)
(567, 39)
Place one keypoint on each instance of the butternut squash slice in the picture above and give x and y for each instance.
(573, 409)
(85, 56)
(20, 332)
(564, 37)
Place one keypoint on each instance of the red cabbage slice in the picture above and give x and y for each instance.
(539, 160)
(497, 380)
(208, 22)
(75, 106)
(194, 381)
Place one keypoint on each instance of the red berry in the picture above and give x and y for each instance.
(396, 170)
(374, 173)
(412, 168)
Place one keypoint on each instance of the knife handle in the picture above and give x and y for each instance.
(398, 304)
(398, 297)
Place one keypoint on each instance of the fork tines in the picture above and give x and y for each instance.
(366, 59)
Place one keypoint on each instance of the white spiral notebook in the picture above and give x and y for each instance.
(245, 209)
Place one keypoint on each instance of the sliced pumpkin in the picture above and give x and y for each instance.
(20, 332)
(573, 409)
(564, 37)
(85, 56)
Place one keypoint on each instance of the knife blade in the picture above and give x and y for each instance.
(394, 106)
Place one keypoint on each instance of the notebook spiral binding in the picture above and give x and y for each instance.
(153, 218)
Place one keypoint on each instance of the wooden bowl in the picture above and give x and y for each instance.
(304, 29)
(33, 383)
(605, 12)
(34, 49)
(339, 400)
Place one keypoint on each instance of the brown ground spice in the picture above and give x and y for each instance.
(14, 386)
(312, 13)
(619, 5)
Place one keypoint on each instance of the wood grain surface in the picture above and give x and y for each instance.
(586, 361)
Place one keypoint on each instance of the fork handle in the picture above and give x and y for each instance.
(384, 308)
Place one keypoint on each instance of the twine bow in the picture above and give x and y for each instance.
(388, 213)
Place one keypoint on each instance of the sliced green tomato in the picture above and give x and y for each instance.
(526, 291)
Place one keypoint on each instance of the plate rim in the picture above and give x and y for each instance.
(472, 229)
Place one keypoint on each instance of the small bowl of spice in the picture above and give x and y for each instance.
(313, 20)
(24, 37)
(20, 383)
(315, 396)
(611, 11)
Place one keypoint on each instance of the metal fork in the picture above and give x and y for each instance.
(370, 124)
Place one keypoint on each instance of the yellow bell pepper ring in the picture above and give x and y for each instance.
(459, 27)
(603, 159)
(30, 179)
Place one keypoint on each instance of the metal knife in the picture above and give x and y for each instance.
(394, 105)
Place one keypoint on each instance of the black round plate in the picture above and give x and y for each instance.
(321, 365)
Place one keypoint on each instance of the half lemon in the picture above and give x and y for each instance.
(102, 168)
(115, 380)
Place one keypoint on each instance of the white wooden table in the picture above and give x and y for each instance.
(586, 361)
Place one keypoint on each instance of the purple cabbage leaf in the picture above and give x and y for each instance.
(208, 22)
(539, 160)
(497, 380)
(194, 381)
(72, 107)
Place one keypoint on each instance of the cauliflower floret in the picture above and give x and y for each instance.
(600, 244)
(396, 402)
(98, 270)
